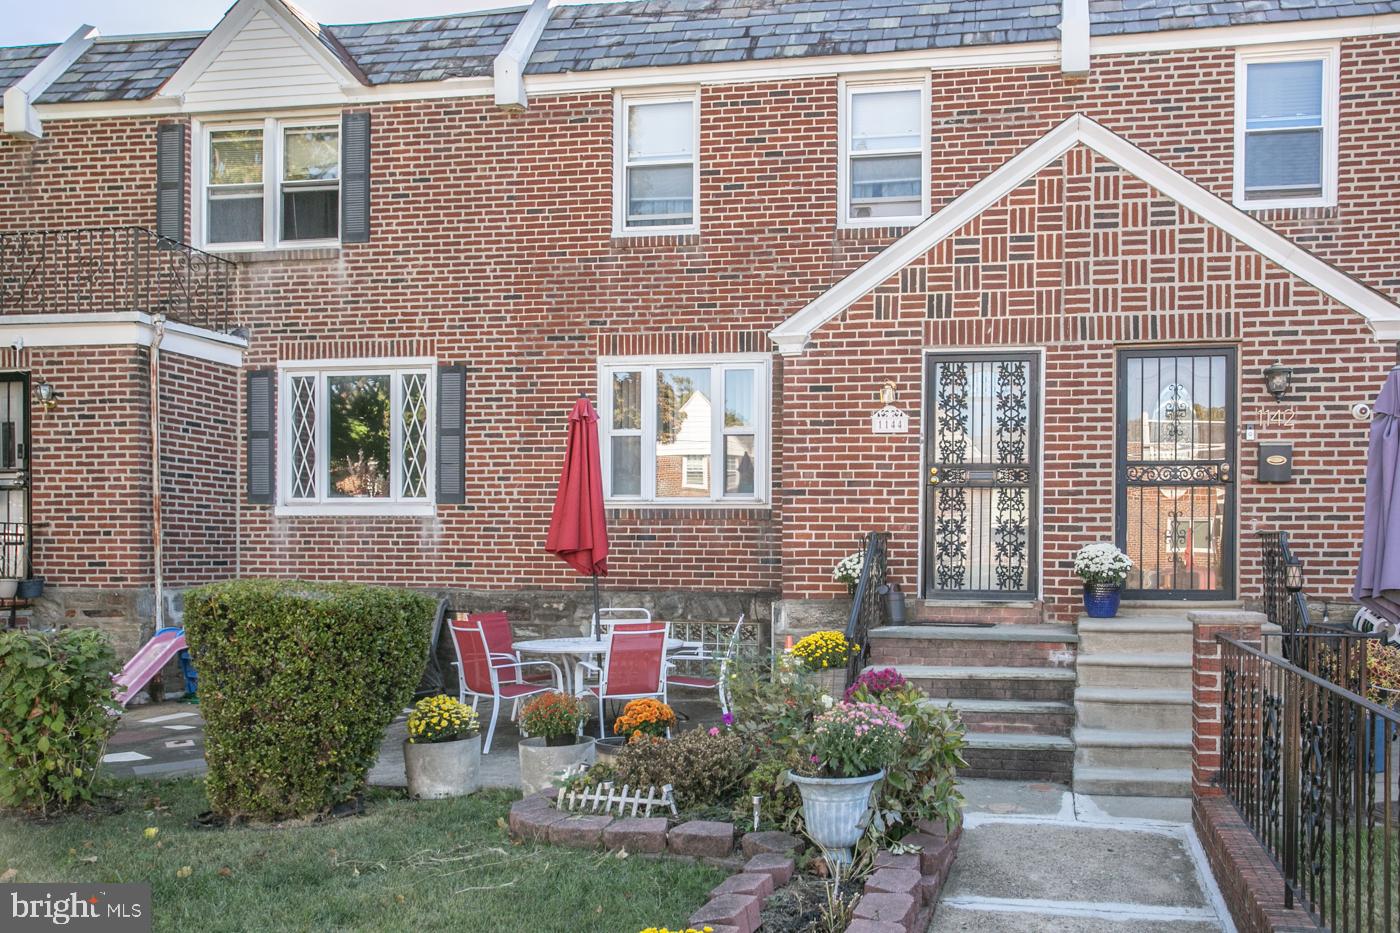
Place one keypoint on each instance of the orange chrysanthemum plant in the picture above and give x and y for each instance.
(644, 719)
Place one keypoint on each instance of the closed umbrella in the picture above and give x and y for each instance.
(578, 529)
(1378, 580)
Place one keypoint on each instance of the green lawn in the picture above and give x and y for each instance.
(402, 866)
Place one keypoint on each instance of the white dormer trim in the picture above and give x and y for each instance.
(508, 68)
(298, 26)
(21, 119)
(792, 335)
(1074, 37)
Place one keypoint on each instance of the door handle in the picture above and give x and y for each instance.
(933, 476)
(1225, 473)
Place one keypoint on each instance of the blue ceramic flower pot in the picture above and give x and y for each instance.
(1101, 600)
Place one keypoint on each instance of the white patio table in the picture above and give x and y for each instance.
(573, 649)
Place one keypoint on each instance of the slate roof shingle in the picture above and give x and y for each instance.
(650, 33)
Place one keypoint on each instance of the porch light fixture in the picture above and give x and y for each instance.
(1279, 380)
(48, 396)
(1293, 575)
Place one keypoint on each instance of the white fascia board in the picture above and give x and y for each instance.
(233, 23)
(508, 68)
(1383, 314)
(119, 329)
(1074, 37)
(21, 119)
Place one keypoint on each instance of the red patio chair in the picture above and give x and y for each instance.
(633, 667)
(489, 666)
(699, 682)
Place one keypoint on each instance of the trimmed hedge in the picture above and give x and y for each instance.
(55, 698)
(297, 683)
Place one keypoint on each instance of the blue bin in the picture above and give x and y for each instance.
(191, 676)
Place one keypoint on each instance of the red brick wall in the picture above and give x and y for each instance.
(492, 247)
(1081, 260)
(199, 436)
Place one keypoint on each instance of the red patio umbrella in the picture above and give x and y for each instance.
(578, 529)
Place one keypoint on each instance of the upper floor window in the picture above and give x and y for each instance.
(271, 183)
(656, 165)
(884, 153)
(356, 438)
(685, 430)
(1286, 128)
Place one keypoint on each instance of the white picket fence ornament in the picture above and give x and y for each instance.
(601, 798)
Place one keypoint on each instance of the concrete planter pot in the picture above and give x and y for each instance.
(609, 749)
(443, 769)
(836, 811)
(541, 764)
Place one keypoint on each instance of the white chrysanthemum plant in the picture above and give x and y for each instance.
(848, 569)
(1102, 564)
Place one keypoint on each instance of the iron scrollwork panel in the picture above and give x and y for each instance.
(981, 476)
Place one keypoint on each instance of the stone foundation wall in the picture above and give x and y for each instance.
(799, 617)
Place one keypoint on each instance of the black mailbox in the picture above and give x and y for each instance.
(1275, 463)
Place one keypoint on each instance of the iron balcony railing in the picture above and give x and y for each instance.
(869, 609)
(102, 269)
(1307, 763)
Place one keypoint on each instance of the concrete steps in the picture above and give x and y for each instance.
(1012, 684)
(1133, 704)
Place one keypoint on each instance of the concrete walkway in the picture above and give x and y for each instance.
(1036, 858)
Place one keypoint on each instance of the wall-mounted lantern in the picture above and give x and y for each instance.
(1279, 380)
(48, 396)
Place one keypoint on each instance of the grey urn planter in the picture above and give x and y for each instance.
(443, 769)
(541, 764)
(836, 811)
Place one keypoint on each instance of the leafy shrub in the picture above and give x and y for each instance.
(297, 683)
(702, 769)
(773, 706)
(55, 698)
(921, 783)
(768, 781)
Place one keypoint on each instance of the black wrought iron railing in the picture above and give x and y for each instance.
(1307, 762)
(100, 269)
(870, 608)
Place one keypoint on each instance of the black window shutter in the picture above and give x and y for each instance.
(354, 176)
(170, 181)
(451, 434)
(262, 436)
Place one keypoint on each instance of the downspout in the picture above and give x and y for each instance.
(157, 334)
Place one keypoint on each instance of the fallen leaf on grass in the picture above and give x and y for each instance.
(225, 872)
(184, 871)
(8, 875)
(150, 832)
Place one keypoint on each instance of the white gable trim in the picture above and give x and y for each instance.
(119, 329)
(792, 335)
(234, 21)
(21, 119)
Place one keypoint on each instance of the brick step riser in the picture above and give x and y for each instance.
(1000, 615)
(1017, 764)
(974, 689)
(1108, 756)
(1143, 717)
(1157, 678)
(888, 652)
(1020, 723)
(1135, 643)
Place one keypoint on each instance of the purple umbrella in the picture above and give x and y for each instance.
(1378, 580)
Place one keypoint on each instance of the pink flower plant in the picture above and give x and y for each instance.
(875, 683)
(855, 738)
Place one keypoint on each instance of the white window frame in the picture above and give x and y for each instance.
(849, 88)
(322, 503)
(273, 149)
(621, 102)
(760, 364)
(1329, 55)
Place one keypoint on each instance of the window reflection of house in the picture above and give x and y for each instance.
(683, 457)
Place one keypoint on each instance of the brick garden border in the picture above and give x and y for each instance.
(900, 894)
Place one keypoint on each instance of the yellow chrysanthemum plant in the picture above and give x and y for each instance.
(823, 650)
(441, 719)
(644, 719)
(678, 930)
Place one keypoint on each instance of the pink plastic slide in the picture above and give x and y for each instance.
(147, 662)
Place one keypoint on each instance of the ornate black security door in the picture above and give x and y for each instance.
(1176, 463)
(982, 433)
